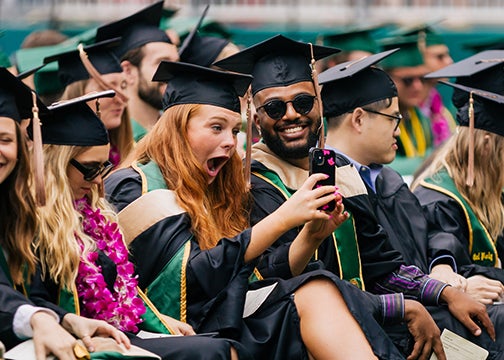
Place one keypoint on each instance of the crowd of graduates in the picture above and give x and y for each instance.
(133, 208)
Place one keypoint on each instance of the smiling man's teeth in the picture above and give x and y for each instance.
(295, 129)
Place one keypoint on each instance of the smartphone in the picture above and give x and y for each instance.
(324, 161)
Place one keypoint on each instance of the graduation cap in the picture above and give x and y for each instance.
(278, 61)
(484, 71)
(425, 33)
(135, 30)
(46, 77)
(73, 122)
(16, 101)
(409, 54)
(71, 67)
(353, 40)
(482, 110)
(488, 109)
(355, 83)
(486, 43)
(193, 84)
(201, 50)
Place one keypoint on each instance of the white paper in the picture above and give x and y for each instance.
(255, 298)
(142, 334)
(458, 348)
(24, 351)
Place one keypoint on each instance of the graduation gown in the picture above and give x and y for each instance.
(47, 293)
(400, 214)
(10, 300)
(209, 288)
(374, 244)
(449, 233)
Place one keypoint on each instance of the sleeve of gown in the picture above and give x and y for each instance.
(275, 261)
(448, 232)
(413, 283)
(10, 301)
(45, 294)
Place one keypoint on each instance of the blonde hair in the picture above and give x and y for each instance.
(216, 210)
(18, 213)
(60, 223)
(484, 196)
(121, 136)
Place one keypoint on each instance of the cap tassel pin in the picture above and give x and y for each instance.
(470, 158)
(321, 142)
(38, 155)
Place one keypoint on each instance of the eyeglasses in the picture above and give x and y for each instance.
(396, 118)
(276, 109)
(91, 172)
(409, 80)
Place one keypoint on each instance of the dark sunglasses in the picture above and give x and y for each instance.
(396, 118)
(408, 80)
(276, 109)
(91, 172)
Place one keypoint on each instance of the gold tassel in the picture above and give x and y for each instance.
(97, 76)
(38, 155)
(248, 140)
(321, 142)
(470, 158)
(422, 42)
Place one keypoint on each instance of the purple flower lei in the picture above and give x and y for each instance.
(122, 308)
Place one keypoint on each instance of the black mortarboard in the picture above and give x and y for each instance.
(201, 50)
(488, 109)
(16, 101)
(73, 122)
(482, 110)
(484, 71)
(193, 84)
(278, 61)
(101, 56)
(355, 83)
(135, 30)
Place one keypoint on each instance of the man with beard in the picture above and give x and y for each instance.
(143, 46)
(288, 116)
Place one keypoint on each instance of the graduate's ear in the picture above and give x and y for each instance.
(130, 71)
(357, 119)
(257, 123)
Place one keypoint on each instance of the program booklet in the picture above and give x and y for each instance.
(458, 348)
(26, 351)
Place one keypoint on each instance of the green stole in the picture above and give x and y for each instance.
(138, 130)
(344, 237)
(168, 292)
(481, 245)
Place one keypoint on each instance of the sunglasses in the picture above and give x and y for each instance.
(276, 109)
(91, 172)
(396, 118)
(409, 80)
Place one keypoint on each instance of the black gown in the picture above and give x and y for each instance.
(379, 255)
(46, 293)
(216, 284)
(10, 301)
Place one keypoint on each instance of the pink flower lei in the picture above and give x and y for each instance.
(123, 307)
